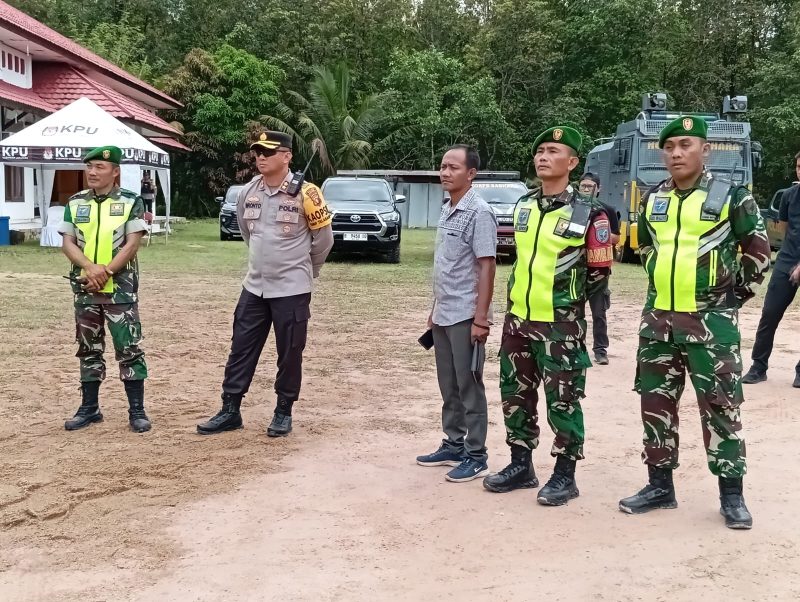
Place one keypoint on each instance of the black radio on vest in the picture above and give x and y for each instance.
(298, 177)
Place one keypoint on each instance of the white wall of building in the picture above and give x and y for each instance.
(16, 68)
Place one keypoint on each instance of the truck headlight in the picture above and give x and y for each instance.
(391, 217)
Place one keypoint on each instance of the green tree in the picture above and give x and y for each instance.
(433, 105)
(222, 94)
(333, 119)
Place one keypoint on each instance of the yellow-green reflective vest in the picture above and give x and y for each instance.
(101, 228)
(688, 249)
(548, 281)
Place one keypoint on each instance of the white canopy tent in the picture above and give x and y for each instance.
(60, 140)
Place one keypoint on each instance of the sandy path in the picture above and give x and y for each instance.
(339, 511)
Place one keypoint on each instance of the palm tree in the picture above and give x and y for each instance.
(332, 120)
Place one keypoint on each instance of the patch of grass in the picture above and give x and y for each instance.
(360, 287)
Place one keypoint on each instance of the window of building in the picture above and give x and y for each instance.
(15, 184)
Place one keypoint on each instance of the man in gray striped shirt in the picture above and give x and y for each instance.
(463, 282)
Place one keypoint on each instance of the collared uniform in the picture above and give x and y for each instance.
(466, 233)
(100, 226)
(288, 239)
(690, 317)
(545, 327)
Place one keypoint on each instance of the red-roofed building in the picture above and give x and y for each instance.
(42, 71)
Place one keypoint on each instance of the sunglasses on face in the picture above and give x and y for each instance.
(263, 152)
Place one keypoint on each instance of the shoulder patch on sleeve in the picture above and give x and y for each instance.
(313, 194)
(746, 200)
(316, 210)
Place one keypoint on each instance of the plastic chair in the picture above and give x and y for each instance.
(50, 236)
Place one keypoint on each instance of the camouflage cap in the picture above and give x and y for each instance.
(112, 154)
(272, 140)
(683, 126)
(561, 134)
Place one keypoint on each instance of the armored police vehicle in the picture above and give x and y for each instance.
(630, 163)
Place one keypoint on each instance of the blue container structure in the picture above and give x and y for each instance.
(5, 232)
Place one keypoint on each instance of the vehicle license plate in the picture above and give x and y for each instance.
(505, 241)
(356, 236)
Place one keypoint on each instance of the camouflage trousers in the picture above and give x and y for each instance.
(126, 333)
(715, 371)
(561, 367)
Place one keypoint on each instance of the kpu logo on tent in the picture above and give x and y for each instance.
(136, 155)
(15, 152)
(72, 154)
(47, 154)
(69, 129)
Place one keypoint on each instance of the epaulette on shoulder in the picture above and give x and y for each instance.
(129, 194)
(80, 195)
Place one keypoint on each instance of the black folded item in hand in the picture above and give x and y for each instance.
(426, 340)
(478, 358)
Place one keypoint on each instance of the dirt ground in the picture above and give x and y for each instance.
(339, 510)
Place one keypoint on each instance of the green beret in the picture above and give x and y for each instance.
(271, 140)
(112, 154)
(563, 135)
(683, 126)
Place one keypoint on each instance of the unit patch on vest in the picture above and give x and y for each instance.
(658, 212)
(252, 208)
(561, 226)
(522, 220)
(116, 209)
(82, 214)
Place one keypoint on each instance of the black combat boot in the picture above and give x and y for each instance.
(227, 419)
(89, 411)
(732, 507)
(561, 487)
(281, 424)
(138, 420)
(517, 475)
(658, 494)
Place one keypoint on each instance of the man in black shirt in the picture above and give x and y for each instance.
(782, 286)
(600, 301)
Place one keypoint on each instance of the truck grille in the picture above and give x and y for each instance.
(368, 222)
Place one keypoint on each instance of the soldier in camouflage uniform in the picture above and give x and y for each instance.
(102, 229)
(562, 239)
(691, 228)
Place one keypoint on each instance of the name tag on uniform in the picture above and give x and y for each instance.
(252, 208)
(116, 209)
(708, 217)
(83, 214)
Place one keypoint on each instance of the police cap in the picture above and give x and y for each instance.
(271, 140)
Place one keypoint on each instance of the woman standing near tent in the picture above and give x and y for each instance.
(149, 192)
(102, 229)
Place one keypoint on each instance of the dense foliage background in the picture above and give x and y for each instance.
(390, 83)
